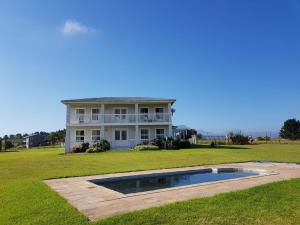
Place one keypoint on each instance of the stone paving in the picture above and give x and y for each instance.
(98, 202)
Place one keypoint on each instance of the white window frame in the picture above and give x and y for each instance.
(121, 129)
(80, 116)
(159, 116)
(80, 136)
(156, 135)
(93, 114)
(144, 117)
(120, 116)
(96, 138)
(148, 133)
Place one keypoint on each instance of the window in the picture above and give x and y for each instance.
(145, 134)
(117, 135)
(124, 135)
(143, 110)
(79, 135)
(80, 115)
(120, 135)
(160, 133)
(159, 113)
(95, 114)
(95, 135)
(144, 115)
(120, 113)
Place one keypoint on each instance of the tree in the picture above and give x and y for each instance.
(290, 129)
(0, 144)
(8, 144)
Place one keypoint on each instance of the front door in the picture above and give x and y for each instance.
(121, 137)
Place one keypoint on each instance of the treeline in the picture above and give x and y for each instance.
(18, 140)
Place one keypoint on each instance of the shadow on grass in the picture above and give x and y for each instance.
(219, 146)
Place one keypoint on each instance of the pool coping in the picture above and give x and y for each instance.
(96, 201)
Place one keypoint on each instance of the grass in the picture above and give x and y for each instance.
(24, 199)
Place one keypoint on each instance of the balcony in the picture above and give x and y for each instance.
(147, 118)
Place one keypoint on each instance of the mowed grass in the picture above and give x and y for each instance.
(25, 199)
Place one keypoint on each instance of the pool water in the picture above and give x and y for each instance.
(142, 183)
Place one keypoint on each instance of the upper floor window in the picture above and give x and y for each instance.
(80, 115)
(145, 134)
(120, 113)
(160, 133)
(79, 135)
(95, 135)
(95, 113)
(159, 113)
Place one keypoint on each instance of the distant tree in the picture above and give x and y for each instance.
(0, 144)
(11, 136)
(8, 144)
(290, 129)
(5, 137)
(18, 136)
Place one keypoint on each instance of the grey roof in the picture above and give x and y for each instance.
(118, 100)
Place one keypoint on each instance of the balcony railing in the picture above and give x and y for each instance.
(120, 118)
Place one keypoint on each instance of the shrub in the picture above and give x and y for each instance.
(101, 146)
(184, 144)
(145, 147)
(76, 149)
(212, 144)
(238, 139)
(90, 150)
(159, 143)
(84, 146)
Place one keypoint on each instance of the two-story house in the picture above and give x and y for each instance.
(123, 121)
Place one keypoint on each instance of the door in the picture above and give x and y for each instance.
(121, 137)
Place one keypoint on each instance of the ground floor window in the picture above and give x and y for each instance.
(95, 135)
(120, 135)
(160, 133)
(145, 134)
(79, 135)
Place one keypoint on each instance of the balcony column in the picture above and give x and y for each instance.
(136, 112)
(102, 132)
(136, 134)
(170, 132)
(102, 112)
(170, 112)
(67, 139)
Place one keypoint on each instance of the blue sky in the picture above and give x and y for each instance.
(231, 65)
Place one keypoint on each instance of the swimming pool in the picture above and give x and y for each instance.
(151, 182)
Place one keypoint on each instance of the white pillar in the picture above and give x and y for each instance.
(136, 112)
(102, 132)
(170, 112)
(102, 112)
(170, 133)
(136, 135)
(67, 138)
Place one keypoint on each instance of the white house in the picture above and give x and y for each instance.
(123, 121)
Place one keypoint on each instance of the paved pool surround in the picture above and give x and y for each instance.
(98, 202)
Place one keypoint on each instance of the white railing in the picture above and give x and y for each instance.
(120, 118)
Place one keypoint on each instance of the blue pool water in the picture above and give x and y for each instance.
(142, 183)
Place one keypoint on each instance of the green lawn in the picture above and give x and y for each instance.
(24, 199)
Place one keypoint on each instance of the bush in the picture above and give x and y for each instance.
(145, 147)
(238, 139)
(171, 143)
(101, 146)
(159, 143)
(184, 144)
(84, 146)
(90, 150)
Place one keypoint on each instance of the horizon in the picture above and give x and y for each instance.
(229, 65)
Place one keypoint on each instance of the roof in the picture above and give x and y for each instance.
(118, 100)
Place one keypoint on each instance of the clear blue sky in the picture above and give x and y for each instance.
(230, 64)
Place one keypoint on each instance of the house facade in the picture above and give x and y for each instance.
(123, 121)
